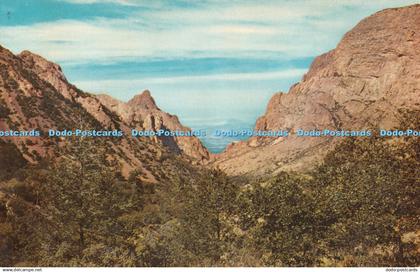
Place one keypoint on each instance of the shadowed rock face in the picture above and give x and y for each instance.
(373, 72)
(142, 113)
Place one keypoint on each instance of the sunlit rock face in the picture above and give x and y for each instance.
(364, 82)
(36, 96)
(142, 113)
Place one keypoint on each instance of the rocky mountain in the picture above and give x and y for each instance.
(142, 113)
(364, 82)
(35, 95)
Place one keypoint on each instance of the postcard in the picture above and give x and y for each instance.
(209, 134)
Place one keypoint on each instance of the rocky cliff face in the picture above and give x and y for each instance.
(52, 73)
(373, 72)
(142, 113)
(35, 95)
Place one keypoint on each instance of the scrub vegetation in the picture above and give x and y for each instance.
(358, 208)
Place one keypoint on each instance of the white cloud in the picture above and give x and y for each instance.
(86, 41)
(286, 29)
(292, 73)
(218, 94)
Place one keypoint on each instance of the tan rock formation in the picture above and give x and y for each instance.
(373, 72)
(35, 95)
(142, 113)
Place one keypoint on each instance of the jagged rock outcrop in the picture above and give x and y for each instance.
(35, 95)
(53, 74)
(142, 113)
(139, 112)
(373, 72)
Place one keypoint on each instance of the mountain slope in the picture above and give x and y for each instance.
(142, 113)
(141, 109)
(35, 95)
(373, 72)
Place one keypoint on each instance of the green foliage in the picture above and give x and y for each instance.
(208, 205)
(358, 208)
(194, 228)
(11, 160)
(368, 190)
(82, 214)
(4, 110)
(281, 219)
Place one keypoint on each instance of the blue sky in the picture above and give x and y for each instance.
(206, 61)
